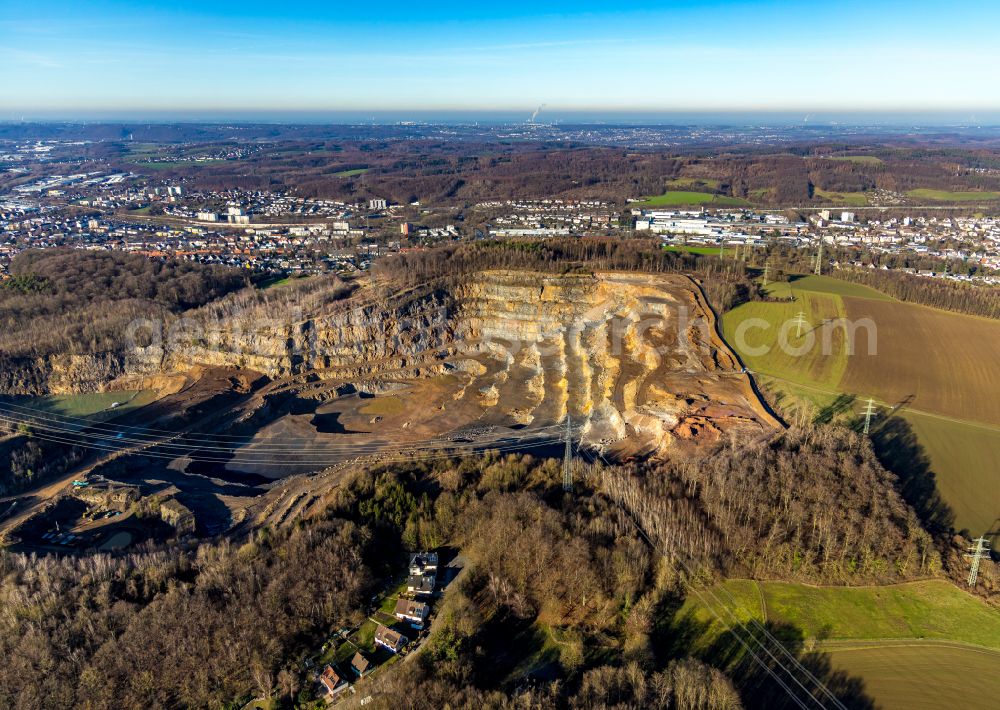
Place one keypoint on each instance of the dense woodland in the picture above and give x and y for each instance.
(436, 172)
(407, 163)
(115, 631)
(70, 300)
(62, 302)
(815, 506)
(173, 627)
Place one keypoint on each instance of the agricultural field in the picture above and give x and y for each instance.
(755, 329)
(947, 196)
(850, 199)
(932, 368)
(956, 362)
(965, 456)
(351, 173)
(922, 676)
(158, 165)
(910, 644)
(677, 198)
(930, 609)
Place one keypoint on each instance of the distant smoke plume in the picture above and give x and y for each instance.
(535, 114)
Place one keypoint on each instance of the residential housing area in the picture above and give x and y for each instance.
(399, 622)
(283, 234)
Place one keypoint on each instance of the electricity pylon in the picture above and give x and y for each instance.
(568, 458)
(819, 259)
(767, 269)
(869, 412)
(800, 320)
(977, 552)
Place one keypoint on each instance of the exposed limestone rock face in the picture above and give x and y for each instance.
(349, 336)
(633, 359)
(68, 373)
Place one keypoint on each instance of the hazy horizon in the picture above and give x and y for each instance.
(736, 117)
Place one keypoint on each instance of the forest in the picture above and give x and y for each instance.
(464, 165)
(586, 569)
(71, 300)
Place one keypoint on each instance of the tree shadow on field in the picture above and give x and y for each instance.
(843, 403)
(813, 676)
(898, 449)
(769, 664)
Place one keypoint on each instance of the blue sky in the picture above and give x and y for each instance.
(101, 55)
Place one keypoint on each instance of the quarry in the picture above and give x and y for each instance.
(262, 412)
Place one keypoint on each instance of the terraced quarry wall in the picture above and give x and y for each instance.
(633, 359)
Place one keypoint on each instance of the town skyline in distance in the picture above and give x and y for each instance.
(803, 117)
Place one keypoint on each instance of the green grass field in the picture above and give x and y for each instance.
(388, 603)
(683, 182)
(714, 251)
(965, 458)
(142, 149)
(850, 199)
(96, 405)
(676, 198)
(930, 609)
(364, 637)
(946, 389)
(906, 643)
(351, 173)
(933, 609)
(826, 284)
(946, 196)
(277, 282)
(755, 329)
(859, 159)
(157, 165)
